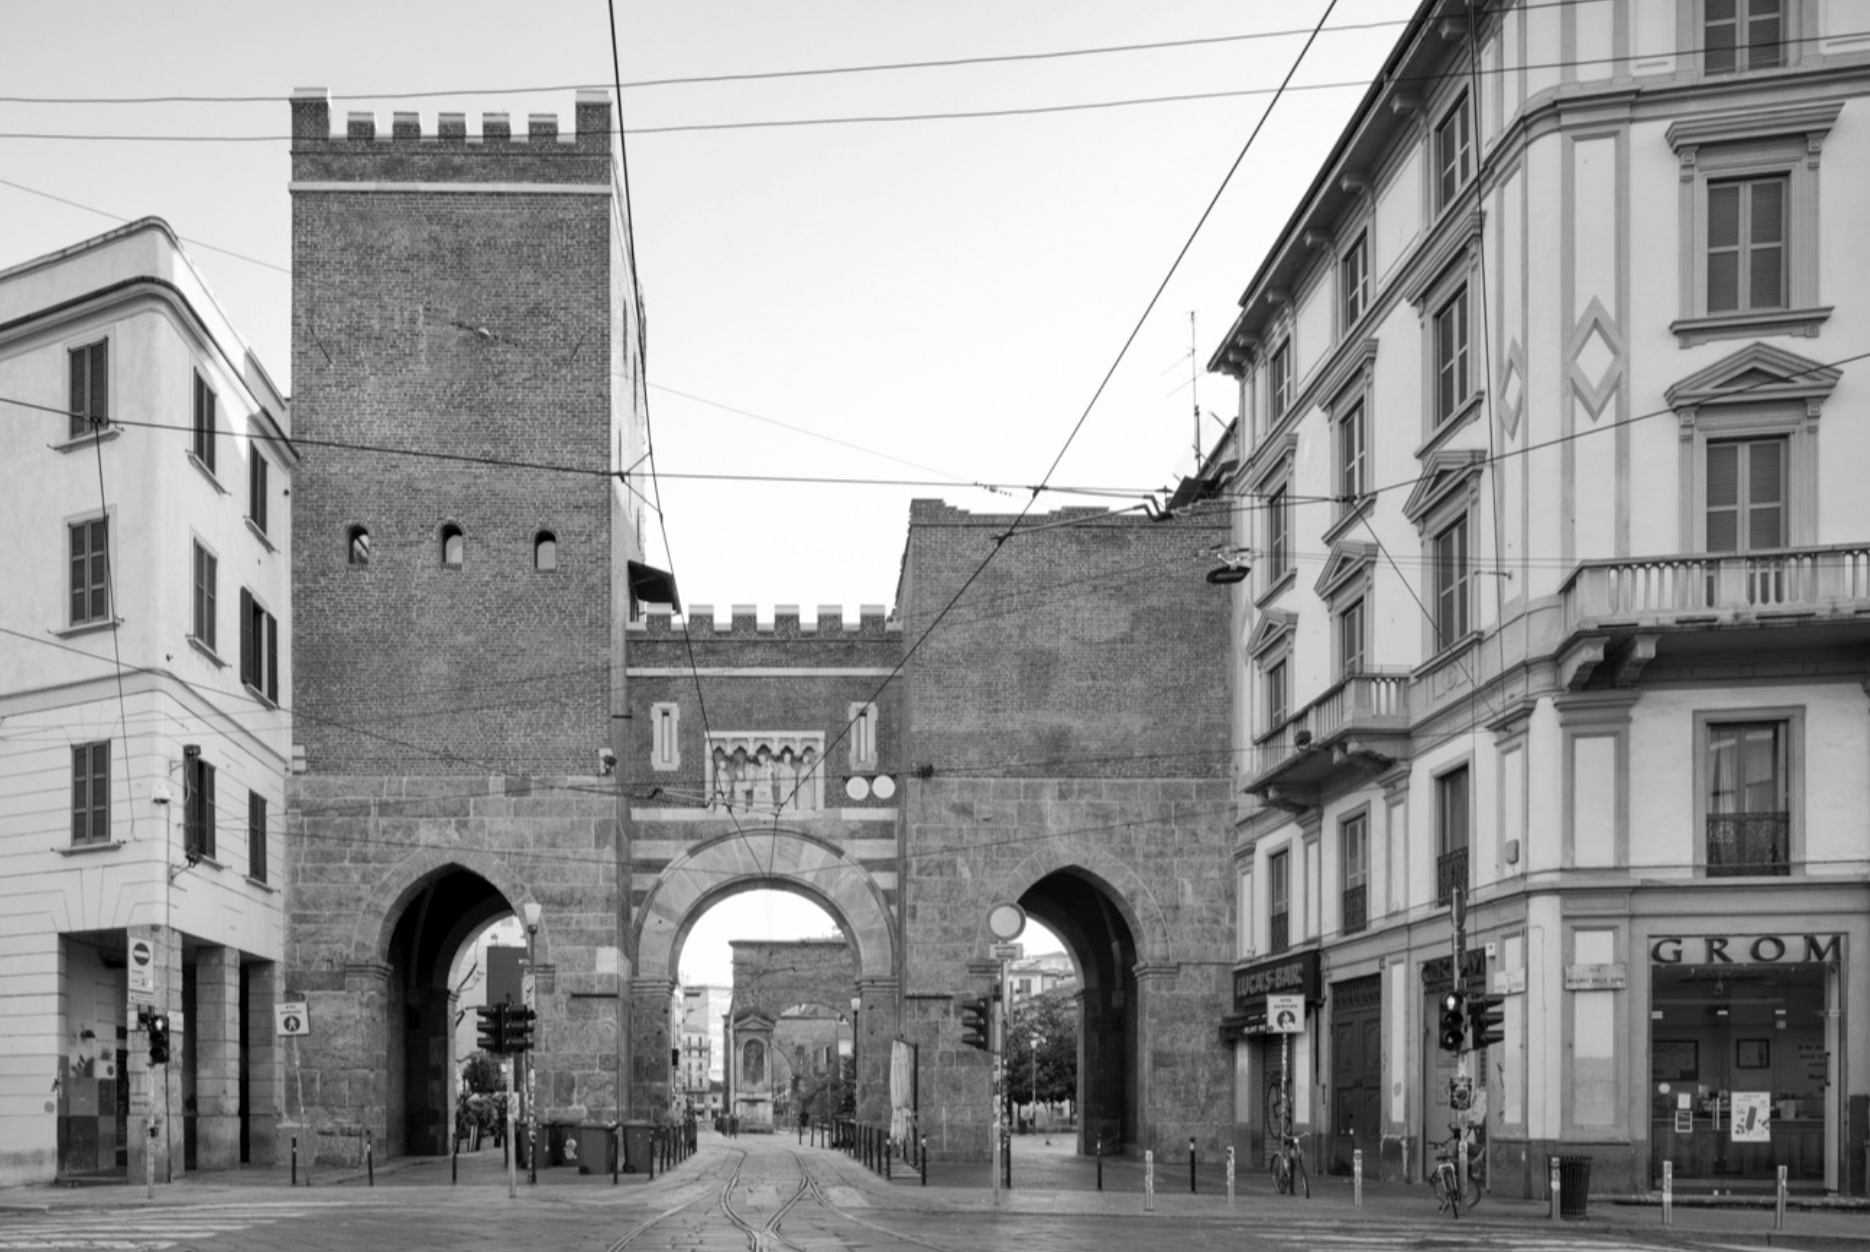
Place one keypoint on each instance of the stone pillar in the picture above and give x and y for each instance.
(265, 1073)
(361, 1077)
(156, 1090)
(877, 1021)
(216, 1033)
(649, 1046)
(1154, 981)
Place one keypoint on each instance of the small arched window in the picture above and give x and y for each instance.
(357, 546)
(545, 551)
(454, 547)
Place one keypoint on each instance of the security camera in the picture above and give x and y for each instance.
(607, 760)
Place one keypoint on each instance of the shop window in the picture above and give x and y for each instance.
(1749, 818)
(1355, 834)
(1452, 808)
(1279, 901)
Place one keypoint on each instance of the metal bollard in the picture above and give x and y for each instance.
(1100, 1162)
(1554, 1188)
(925, 1160)
(652, 1156)
(1149, 1180)
(1668, 1193)
(616, 1156)
(295, 1161)
(1357, 1178)
(1006, 1157)
(889, 1150)
(454, 1163)
(1191, 1165)
(370, 1156)
(1230, 1174)
(1779, 1200)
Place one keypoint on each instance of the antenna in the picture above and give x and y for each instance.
(1194, 386)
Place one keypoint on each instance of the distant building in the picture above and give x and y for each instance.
(145, 472)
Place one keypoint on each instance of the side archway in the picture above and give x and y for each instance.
(374, 931)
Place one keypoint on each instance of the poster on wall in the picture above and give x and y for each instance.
(1752, 1117)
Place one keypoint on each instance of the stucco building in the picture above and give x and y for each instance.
(145, 474)
(1546, 466)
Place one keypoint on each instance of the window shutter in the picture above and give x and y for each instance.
(207, 810)
(98, 379)
(1764, 23)
(1723, 247)
(1766, 495)
(80, 795)
(248, 652)
(100, 569)
(80, 398)
(1723, 497)
(1766, 234)
(272, 658)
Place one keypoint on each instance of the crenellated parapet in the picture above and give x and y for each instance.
(746, 621)
(528, 149)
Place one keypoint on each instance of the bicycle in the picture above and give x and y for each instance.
(1289, 1167)
(1449, 1194)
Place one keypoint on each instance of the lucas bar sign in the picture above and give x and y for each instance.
(292, 1017)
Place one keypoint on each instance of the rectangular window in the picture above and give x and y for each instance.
(256, 489)
(1451, 357)
(90, 571)
(1454, 154)
(1747, 244)
(1353, 283)
(197, 806)
(259, 647)
(1749, 806)
(1356, 836)
(1351, 658)
(90, 792)
(90, 386)
(1279, 897)
(1746, 495)
(1452, 579)
(256, 836)
(206, 567)
(1275, 695)
(1451, 833)
(665, 743)
(1739, 34)
(1278, 536)
(863, 722)
(1279, 380)
(203, 443)
(1353, 462)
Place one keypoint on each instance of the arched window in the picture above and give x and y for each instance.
(357, 546)
(545, 551)
(454, 547)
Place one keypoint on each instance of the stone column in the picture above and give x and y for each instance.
(361, 1076)
(265, 1072)
(216, 1032)
(649, 1046)
(1155, 981)
(876, 1030)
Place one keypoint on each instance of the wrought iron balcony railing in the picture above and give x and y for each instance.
(1450, 872)
(1280, 937)
(1356, 908)
(1743, 844)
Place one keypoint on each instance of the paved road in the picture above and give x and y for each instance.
(762, 1195)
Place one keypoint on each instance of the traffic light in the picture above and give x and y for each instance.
(1486, 1017)
(158, 1039)
(492, 1028)
(1454, 1022)
(977, 1023)
(519, 1020)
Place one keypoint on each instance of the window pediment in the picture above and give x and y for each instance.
(1269, 458)
(1274, 626)
(1457, 245)
(1445, 471)
(1758, 373)
(1348, 559)
(1814, 121)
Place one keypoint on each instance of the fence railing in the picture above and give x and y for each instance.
(1356, 908)
(1741, 844)
(1450, 872)
(1657, 588)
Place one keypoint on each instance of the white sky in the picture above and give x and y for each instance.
(946, 293)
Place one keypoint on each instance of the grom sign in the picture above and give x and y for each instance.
(1746, 949)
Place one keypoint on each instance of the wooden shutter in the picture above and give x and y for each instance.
(1723, 247)
(207, 810)
(249, 651)
(1765, 25)
(1723, 527)
(272, 658)
(97, 394)
(1766, 239)
(1719, 35)
(80, 391)
(1766, 494)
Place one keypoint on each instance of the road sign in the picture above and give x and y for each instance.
(1008, 951)
(1006, 921)
(1285, 1015)
(293, 1017)
(142, 969)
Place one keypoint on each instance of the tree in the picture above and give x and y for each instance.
(1048, 1025)
(482, 1074)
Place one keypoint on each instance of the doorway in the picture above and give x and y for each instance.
(1356, 1071)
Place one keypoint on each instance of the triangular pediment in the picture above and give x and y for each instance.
(1273, 626)
(1756, 373)
(1443, 472)
(1347, 559)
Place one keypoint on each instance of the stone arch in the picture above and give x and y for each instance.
(736, 862)
(378, 915)
(1128, 893)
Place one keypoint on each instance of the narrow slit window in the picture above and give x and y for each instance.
(357, 546)
(454, 547)
(545, 551)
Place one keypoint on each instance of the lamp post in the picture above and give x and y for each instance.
(532, 911)
(857, 1002)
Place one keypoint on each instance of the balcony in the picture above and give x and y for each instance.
(1749, 844)
(1718, 588)
(1450, 872)
(1360, 721)
(1279, 936)
(1356, 909)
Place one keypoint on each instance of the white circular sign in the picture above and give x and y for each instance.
(883, 786)
(857, 788)
(1006, 920)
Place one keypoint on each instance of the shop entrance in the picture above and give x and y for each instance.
(1740, 1065)
(1356, 1071)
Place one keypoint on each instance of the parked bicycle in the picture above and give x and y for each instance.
(1449, 1194)
(1289, 1176)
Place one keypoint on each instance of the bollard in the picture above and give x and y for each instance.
(1668, 1193)
(652, 1156)
(1357, 1178)
(1779, 1201)
(1230, 1174)
(454, 1163)
(1191, 1165)
(1149, 1180)
(1006, 1157)
(295, 1161)
(370, 1156)
(1554, 1188)
(1100, 1162)
(616, 1157)
(925, 1160)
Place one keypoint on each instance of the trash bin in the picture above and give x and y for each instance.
(555, 1152)
(1574, 1186)
(597, 1147)
(638, 1141)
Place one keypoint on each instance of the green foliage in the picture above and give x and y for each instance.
(1048, 1026)
(482, 1074)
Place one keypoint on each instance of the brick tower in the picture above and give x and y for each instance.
(467, 369)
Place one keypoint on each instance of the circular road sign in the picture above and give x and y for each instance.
(1006, 920)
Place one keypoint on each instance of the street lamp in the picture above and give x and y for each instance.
(532, 911)
(857, 1002)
